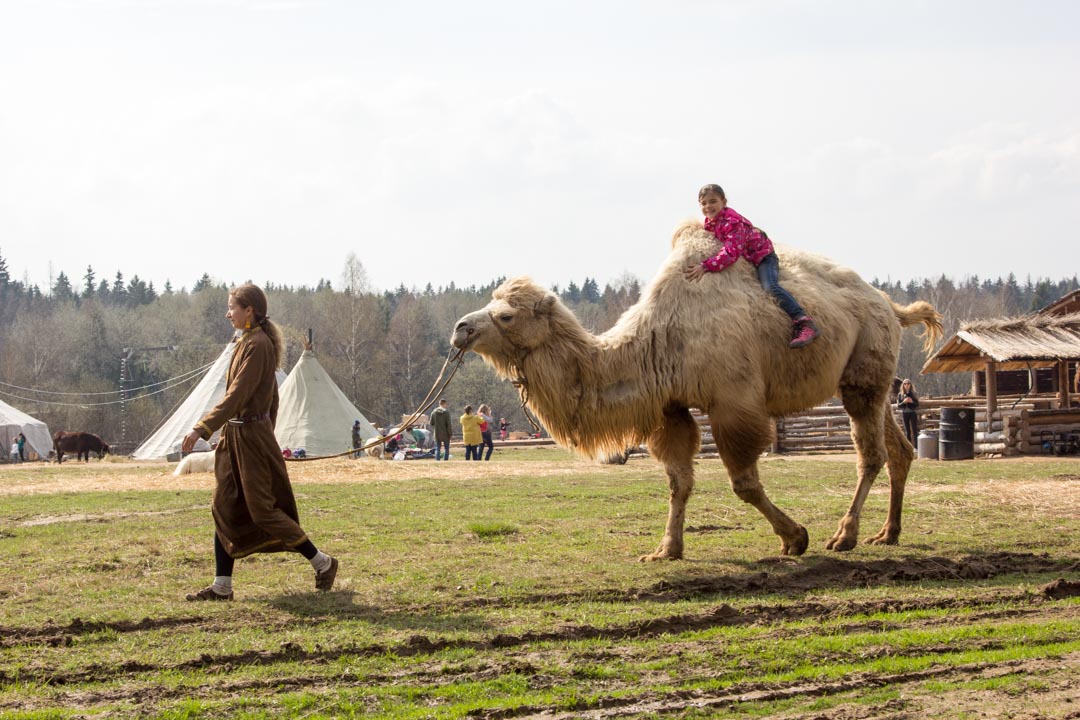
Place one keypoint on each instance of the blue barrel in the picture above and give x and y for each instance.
(956, 434)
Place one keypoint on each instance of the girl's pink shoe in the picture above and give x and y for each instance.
(803, 331)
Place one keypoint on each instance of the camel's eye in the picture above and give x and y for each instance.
(506, 318)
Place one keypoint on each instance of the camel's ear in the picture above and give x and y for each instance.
(545, 304)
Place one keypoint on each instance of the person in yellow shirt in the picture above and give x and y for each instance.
(470, 430)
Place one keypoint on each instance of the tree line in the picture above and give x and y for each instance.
(62, 347)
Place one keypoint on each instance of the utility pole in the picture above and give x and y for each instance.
(125, 378)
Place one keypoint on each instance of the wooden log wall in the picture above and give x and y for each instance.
(1019, 426)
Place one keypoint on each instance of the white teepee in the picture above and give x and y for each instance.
(314, 414)
(202, 399)
(13, 422)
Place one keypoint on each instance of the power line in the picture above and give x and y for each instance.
(110, 402)
(181, 377)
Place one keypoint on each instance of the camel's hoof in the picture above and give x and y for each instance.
(659, 555)
(798, 546)
(842, 543)
(884, 538)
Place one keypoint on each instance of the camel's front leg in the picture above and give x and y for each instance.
(675, 444)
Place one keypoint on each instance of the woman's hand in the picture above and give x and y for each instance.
(189, 442)
(693, 272)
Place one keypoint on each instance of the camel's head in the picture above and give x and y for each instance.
(517, 319)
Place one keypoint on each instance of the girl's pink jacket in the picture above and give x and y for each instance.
(738, 238)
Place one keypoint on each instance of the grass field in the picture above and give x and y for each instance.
(510, 589)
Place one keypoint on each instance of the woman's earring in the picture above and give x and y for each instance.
(247, 325)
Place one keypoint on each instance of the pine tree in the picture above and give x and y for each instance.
(118, 294)
(5, 276)
(590, 291)
(61, 289)
(203, 283)
(88, 282)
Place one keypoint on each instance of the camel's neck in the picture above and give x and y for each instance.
(589, 392)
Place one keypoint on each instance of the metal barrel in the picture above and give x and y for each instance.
(927, 445)
(956, 433)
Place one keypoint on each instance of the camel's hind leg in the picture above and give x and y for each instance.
(900, 454)
(675, 445)
(740, 442)
(865, 410)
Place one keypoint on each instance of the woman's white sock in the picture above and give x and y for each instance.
(320, 562)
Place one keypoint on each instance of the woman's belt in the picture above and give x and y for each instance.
(249, 419)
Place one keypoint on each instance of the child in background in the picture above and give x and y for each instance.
(485, 430)
(739, 238)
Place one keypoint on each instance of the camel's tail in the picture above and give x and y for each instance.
(923, 312)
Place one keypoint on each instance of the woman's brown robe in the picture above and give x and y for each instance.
(254, 508)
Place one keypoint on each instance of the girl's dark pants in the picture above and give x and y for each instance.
(911, 425)
(472, 452)
(487, 443)
(768, 272)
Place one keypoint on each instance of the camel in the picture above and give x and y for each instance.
(719, 345)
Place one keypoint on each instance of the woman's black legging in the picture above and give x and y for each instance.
(487, 443)
(224, 562)
(911, 426)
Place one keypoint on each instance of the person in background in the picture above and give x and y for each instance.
(20, 440)
(356, 440)
(487, 422)
(15, 452)
(254, 507)
(908, 402)
(470, 430)
(440, 423)
(504, 429)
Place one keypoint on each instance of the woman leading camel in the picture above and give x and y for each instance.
(254, 508)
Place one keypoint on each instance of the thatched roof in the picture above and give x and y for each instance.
(1066, 305)
(1014, 343)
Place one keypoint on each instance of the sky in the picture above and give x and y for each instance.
(267, 140)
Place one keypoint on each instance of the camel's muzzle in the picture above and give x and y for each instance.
(464, 333)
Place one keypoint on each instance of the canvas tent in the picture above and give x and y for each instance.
(202, 399)
(314, 414)
(13, 422)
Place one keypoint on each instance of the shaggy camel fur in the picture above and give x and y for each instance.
(721, 345)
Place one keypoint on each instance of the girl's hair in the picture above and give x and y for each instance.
(252, 296)
(711, 188)
(484, 409)
(468, 409)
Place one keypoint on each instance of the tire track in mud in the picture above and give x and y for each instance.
(723, 615)
(438, 674)
(822, 574)
(816, 574)
(678, 701)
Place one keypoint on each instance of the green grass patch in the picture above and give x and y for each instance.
(515, 589)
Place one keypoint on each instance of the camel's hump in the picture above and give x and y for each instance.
(691, 243)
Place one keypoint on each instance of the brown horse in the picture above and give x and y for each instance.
(80, 444)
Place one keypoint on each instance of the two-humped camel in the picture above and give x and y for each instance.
(720, 345)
